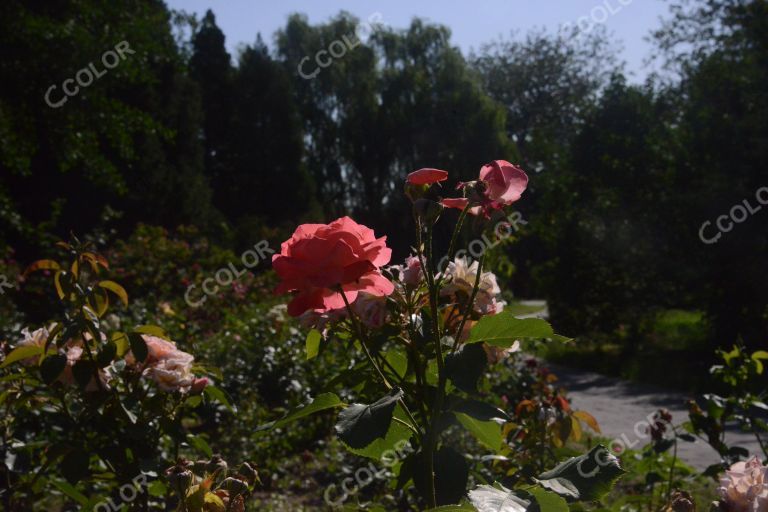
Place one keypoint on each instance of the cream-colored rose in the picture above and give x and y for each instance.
(744, 488)
(460, 279)
(172, 374)
(36, 338)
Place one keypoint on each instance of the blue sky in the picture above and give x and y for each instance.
(471, 22)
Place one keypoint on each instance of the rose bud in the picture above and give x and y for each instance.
(234, 485)
(216, 465)
(427, 211)
(180, 478)
(198, 385)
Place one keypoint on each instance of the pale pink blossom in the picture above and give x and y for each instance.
(744, 488)
(370, 309)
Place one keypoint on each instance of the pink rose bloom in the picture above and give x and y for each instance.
(744, 488)
(502, 184)
(426, 176)
(319, 258)
(411, 273)
(172, 374)
(159, 349)
(460, 281)
(370, 309)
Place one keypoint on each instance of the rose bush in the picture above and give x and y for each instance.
(428, 339)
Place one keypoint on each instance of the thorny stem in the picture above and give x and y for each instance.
(431, 436)
(456, 231)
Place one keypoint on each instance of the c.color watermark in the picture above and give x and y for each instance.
(365, 476)
(339, 47)
(738, 214)
(604, 457)
(4, 284)
(598, 15)
(128, 493)
(477, 247)
(86, 76)
(229, 274)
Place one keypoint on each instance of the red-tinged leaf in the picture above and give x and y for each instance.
(41, 265)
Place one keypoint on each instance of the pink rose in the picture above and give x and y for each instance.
(426, 176)
(320, 258)
(500, 183)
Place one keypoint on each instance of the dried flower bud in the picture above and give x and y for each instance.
(249, 473)
(216, 465)
(234, 485)
(180, 478)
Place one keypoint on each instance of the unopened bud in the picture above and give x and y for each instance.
(180, 478)
(249, 473)
(415, 192)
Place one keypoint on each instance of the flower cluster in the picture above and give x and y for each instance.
(165, 364)
(73, 350)
(744, 488)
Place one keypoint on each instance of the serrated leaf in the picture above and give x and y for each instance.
(503, 329)
(313, 343)
(359, 425)
(394, 442)
(322, 402)
(549, 501)
(586, 478)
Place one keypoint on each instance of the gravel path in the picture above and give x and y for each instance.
(621, 409)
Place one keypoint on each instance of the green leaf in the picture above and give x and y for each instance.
(138, 346)
(487, 498)
(200, 444)
(106, 354)
(116, 289)
(313, 343)
(394, 445)
(120, 339)
(52, 367)
(465, 367)
(152, 330)
(214, 393)
(359, 425)
(487, 432)
(451, 475)
(70, 491)
(587, 477)
(20, 353)
(504, 329)
(320, 403)
(83, 372)
(549, 501)
(398, 361)
(479, 410)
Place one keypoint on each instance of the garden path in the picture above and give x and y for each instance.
(622, 408)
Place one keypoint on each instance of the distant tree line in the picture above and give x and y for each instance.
(623, 176)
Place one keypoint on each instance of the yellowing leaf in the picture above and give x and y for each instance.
(116, 289)
(588, 419)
